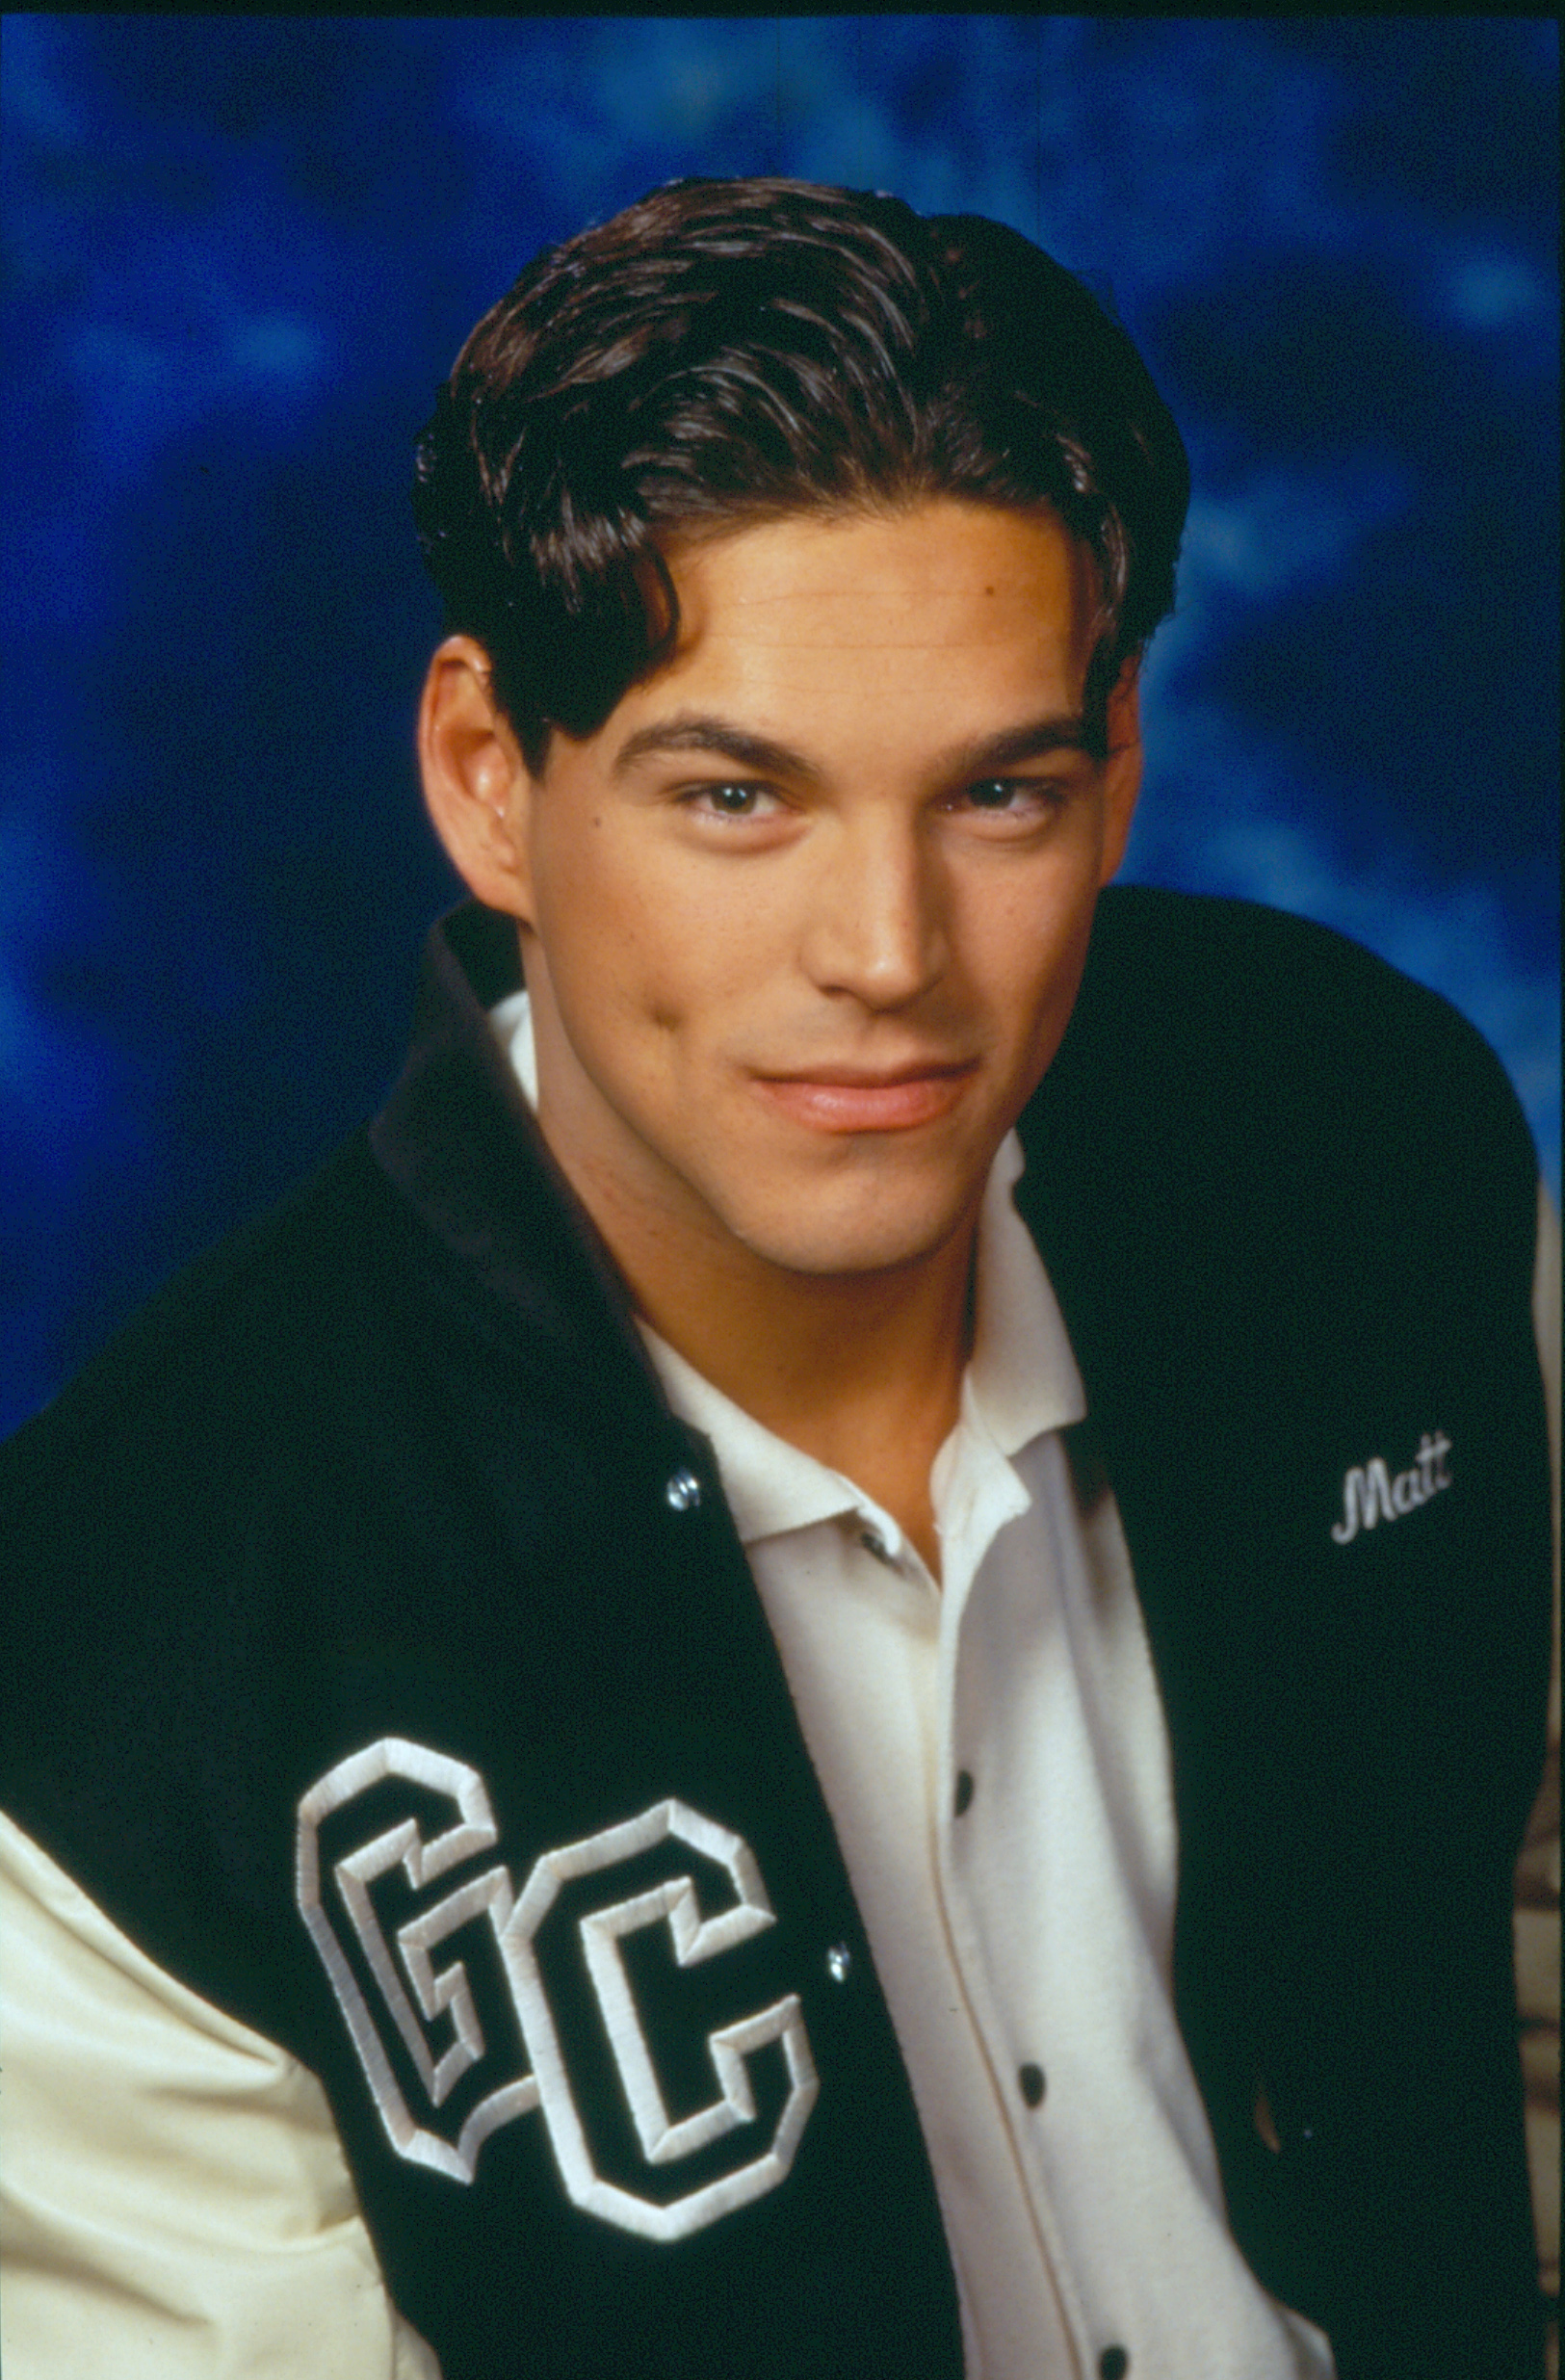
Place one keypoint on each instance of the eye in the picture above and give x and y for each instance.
(1028, 800)
(730, 800)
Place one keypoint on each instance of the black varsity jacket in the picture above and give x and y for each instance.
(382, 1658)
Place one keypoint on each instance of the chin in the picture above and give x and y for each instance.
(846, 1251)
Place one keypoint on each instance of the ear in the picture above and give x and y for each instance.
(476, 783)
(1122, 772)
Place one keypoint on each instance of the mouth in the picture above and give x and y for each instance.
(846, 1099)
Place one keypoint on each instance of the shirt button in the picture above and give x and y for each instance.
(873, 1544)
(683, 1491)
(964, 1791)
(1113, 2363)
(1031, 2078)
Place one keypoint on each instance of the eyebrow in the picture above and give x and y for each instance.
(694, 732)
(993, 755)
(988, 756)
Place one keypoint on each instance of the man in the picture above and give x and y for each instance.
(833, 1664)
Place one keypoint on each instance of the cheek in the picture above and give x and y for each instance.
(592, 910)
(633, 966)
(1026, 956)
(696, 948)
(1024, 934)
(690, 983)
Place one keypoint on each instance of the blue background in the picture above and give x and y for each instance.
(242, 252)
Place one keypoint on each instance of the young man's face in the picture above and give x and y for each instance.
(804, 921)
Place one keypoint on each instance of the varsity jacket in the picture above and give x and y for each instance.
(382, 1660)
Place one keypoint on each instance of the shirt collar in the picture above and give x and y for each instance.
(1022, 1379)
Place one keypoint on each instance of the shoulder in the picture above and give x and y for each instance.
(135, 1507)
(243, 1489)
(1220, 977)
(1257, 1135)
(239, 1335)
(1228, 1039)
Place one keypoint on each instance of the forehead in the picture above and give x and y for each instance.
(852, 612)
(938, 572)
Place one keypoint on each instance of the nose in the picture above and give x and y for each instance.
(878, 926)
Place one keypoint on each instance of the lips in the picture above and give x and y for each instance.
(856, 1099)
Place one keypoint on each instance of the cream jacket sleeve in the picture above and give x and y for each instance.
(1537, 1874)
(173, 2201)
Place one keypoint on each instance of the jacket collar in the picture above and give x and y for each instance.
(458, 1142)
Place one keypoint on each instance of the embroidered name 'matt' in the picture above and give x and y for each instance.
(1371, 1494)
(398, 1971)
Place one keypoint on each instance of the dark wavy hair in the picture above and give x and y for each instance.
(725, 352)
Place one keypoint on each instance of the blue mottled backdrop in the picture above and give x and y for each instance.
(243, 249)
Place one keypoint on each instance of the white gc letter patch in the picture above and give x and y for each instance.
(557, 1980)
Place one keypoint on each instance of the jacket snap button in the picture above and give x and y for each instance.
(684, 1491)
(839, 1960)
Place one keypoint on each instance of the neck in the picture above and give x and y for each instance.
(861, 1370)
(863, 1374)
